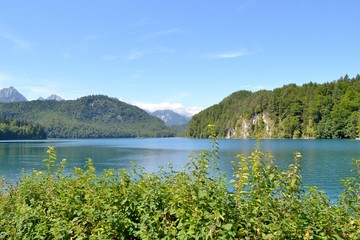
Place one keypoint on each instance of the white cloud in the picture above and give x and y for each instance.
(137, 54)
(14, 39)
(167, 32)
(176, 107)
(160, 34)
(230, 54)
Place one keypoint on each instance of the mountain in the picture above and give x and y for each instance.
(55, 97)
(87, 117)
(329, 110)
(11, 95)
(171, 118)
(51, 97)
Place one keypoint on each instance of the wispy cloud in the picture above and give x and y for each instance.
(134, 54)
(137, 53)
(161, 34)
(17, 41)
(230, 54)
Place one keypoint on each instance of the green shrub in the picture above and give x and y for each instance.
(265, 203)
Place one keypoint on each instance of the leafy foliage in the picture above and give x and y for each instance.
(329, 110)
(87, 117)
(195, 203)
(19, 129)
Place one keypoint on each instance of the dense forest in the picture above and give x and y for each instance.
(87, 117)
(19, 129)
(329, 110)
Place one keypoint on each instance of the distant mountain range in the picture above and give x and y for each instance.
(52, 97)
(90, 116)
(171, 118)
(10, 94)
(87, 117)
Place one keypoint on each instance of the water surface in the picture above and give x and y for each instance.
(324, 162)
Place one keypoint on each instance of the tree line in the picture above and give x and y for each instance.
(329, 110)
(20, 129)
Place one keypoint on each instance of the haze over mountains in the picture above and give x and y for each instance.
(171, 118)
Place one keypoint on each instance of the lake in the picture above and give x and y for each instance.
(324, 162)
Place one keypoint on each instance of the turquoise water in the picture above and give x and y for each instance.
(324, 162)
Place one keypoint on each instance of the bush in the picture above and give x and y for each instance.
(265, 203)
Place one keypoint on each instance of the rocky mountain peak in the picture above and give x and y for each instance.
(55, 97)
(11, 95)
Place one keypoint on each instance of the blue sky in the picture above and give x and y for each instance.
(180, 55)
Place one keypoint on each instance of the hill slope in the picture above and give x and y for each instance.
(329, 110)
(87, 117)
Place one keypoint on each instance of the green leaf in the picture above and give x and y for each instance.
(227, 226)
(202, 194)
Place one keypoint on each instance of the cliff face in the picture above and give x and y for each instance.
(329, 110)
(260, 125)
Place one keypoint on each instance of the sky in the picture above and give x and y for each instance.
(184, 55)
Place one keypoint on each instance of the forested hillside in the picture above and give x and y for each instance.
(329, 110)
(17, 129)
(87, 117)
